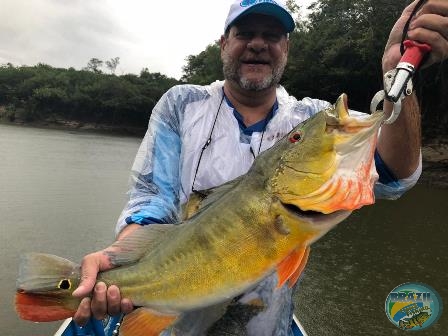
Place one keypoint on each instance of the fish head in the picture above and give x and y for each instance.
(325, 165)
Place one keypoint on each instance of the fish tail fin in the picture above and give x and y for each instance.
(145, 322)
(44, 288)
(40, 308)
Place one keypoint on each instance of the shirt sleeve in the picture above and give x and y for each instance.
(155, 178)
(388, 186)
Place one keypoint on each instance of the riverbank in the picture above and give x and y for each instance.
(435, 162)
(73, 125)
(434, 151)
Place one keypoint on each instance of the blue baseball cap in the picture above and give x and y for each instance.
(273, 8)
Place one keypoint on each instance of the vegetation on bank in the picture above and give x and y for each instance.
(337, 49)
(44, 93)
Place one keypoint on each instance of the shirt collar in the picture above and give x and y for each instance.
(259, 126)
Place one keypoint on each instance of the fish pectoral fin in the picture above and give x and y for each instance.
(292, 266)
(145, 322)
(296, 275)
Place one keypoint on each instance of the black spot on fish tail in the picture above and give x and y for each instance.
(65, 284)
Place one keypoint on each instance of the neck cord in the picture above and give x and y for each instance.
(206, 144)
(261, 140)
(406, 26)
(209, 140)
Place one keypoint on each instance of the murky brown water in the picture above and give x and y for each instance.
(354, 267)
(61, 193)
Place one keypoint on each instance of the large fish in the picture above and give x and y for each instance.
(242, 232)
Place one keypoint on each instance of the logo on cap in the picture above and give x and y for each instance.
(247, 3)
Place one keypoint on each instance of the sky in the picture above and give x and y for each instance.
(157, 35)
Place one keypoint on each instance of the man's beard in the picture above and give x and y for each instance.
(231, 66)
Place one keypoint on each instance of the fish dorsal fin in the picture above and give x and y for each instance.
(145, 322)
(200, 200)
(134, 246)
(292, 266)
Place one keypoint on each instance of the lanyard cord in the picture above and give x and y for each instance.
(209, 140)
(261, 140)
(406, 26)
(207, 143)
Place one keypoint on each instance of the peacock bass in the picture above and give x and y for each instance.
(240, 233)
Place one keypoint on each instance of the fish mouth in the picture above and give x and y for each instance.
(316, 217)
(340, 121)
(354, 126)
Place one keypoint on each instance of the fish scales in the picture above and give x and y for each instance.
(232, 244)
(238, 235)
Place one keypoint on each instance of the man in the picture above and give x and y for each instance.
(201, 137)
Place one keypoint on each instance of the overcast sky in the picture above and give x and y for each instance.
(158, 35)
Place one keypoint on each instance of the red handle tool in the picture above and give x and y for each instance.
(409, 63)
(414, 52)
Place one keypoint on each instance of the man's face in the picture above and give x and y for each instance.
(254, 53)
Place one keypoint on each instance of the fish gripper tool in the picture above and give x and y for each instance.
(398, 81)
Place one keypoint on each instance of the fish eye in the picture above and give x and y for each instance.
(64, 284)
(296, 137)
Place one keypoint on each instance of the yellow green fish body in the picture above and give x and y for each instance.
(243, 231)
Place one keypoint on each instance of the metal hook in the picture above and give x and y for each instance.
(379, 97)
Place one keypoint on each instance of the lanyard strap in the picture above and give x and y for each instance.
(206, 144)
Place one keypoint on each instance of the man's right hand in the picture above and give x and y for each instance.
(105, 300)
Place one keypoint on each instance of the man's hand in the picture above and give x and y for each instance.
(399, 143)
(104, 301)
(429, 25)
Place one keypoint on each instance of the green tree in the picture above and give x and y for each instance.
(204, 68)
(94, 65)
(339, 49)
(112, 64)
(44, 93)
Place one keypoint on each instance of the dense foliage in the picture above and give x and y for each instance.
(204, 68)
(45, 93)
(338, 48)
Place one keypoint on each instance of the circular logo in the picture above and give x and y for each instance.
(413, 306)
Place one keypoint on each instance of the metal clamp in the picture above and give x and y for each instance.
(398, 82)
(394, 82)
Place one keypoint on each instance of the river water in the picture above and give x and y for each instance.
(62, 191)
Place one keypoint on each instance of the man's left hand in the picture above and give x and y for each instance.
(429, 25)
